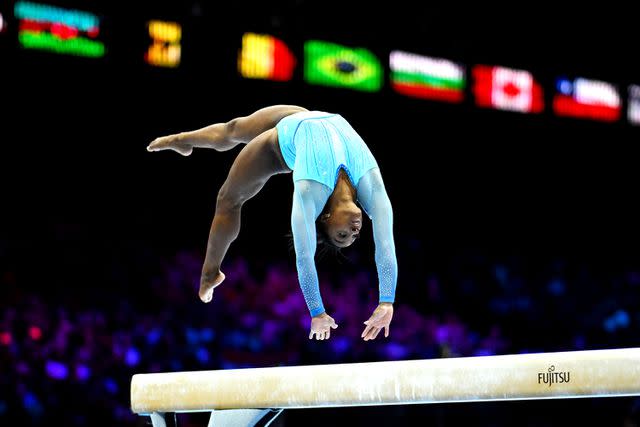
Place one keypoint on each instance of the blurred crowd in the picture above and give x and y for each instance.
(68, 355)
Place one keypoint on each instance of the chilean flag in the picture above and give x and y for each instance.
(507, 89)
(587, 99)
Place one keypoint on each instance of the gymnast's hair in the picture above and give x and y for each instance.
(324, 245)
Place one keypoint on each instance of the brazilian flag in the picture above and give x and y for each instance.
(334, 65)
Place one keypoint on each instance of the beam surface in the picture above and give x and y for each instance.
(590, 373)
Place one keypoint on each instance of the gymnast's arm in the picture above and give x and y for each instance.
(308, 200)
(373, 197)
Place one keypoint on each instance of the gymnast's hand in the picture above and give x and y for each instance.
(381, 318)
(321, 326)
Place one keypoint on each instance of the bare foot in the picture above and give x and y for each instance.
(171, 142)
(208, 283)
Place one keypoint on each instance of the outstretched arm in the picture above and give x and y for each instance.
(304, 211)
(308, 200)
(225, 136)
(375, 201)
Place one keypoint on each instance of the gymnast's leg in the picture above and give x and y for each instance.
(225, 136)
(257, 162)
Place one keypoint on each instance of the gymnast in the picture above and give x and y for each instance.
(333, 170)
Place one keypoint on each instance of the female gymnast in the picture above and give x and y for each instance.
(332, 170)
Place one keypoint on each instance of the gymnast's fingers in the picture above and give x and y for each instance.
(371, 333)
(366, 330)
(375, 334)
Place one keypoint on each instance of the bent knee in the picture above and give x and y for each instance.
(231, 128)
(228, 200)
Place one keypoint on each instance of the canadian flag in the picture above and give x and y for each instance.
(507, 89)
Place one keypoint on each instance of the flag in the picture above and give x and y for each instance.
(330, 64)
(587, 99)
(58, 30)
(165, 48)
(507, 89)
(633, 112)
(424, 77)
(265, 57)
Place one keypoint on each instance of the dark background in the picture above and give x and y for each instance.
(80, 193)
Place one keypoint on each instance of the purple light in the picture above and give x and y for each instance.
(484, 352)
(556, 287)
(22, 368)
(192, 336)
(442, 334)
(82, 372)
(207, 334)
(619, 319)
(202, 355)
(56, 370)
(111, 386)
(32, 404)
(396, 351)
(132, 357)
(340, 345)
(154, 336)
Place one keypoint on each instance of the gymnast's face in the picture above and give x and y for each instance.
(342, 224)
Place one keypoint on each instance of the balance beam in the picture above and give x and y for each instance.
(560, 375)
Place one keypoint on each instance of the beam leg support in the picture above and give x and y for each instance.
(157, 419)
(242, 417)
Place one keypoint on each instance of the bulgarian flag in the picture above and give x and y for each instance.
(587, 99)
(331, 64)
(424, 77)
(507, 89)
(265, 57)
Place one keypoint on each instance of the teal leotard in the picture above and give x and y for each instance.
(316, 145)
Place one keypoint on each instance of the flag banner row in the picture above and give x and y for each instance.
(264, 56)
